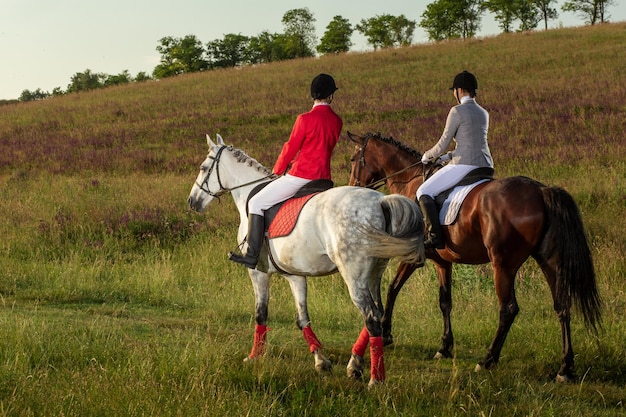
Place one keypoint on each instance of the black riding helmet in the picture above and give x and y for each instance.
(466, 81)
(322, 86)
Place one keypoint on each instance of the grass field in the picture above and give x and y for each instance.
(117, 300)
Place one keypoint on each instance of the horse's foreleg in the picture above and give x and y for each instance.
(260, 283)
(444, 275)
(402, 274)
(508, 311)
(258, 346)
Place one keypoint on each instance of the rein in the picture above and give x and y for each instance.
(223, 190)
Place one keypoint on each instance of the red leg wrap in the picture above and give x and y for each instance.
(377, 358)
(258, 348)
(360, 345)
(311, 339)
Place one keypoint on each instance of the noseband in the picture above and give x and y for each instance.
(204, 186)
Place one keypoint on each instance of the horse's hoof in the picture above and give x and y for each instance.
(443, 354)
(388, 340)
(479, 368)
(324, 365)
(374, 383)
(562, 379)
(355, 367)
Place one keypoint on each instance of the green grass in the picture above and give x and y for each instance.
(116, 300)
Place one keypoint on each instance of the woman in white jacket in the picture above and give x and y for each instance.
(467, 124)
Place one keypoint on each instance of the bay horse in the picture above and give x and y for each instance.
(503, 221)
(350, 230)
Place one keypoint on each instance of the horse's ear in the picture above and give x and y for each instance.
(220, 141)
(355, 138)
(209, 141)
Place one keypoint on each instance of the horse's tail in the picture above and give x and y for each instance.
(575, 275)
(403, 236)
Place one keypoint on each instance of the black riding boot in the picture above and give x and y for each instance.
(434, 237)
(256, 231)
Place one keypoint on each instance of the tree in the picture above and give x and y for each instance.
(593, 11)
(142, 76)
(38, 94)
(231, 51)
(267, 47)
(300, 36)
(439, 21)
(337, 37)
(528, 14)
(85, 81)
(449, 19)
(179, 56)
(470, 13)
(547, 12)
(123, 77)
(504, 12)
(384, 31)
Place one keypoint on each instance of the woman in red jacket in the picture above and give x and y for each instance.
(306, 155)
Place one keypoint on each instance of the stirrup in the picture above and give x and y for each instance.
(433, 243)
(248, 261)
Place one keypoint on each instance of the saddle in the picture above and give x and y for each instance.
(449, 201)
(473, 176)
(281, 218)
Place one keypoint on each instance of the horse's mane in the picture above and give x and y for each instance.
(396, 143)
(243, 158)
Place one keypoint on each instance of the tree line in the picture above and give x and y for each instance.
(442, 20)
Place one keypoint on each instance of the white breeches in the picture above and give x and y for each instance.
(443, 179)
(278, 190)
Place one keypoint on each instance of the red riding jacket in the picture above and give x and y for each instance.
(310, 145)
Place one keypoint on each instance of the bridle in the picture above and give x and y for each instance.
(362, 165)
(378, 183)
(204, 185)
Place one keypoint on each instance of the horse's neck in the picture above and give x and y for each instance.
(240, 178)
(401, 182)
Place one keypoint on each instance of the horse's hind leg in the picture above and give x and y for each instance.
(372, 335)
(298, 287)
(402, 274)
(562, 309)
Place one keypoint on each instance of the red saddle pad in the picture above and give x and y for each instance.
(287, 217)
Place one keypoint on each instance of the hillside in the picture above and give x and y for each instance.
(553, 96)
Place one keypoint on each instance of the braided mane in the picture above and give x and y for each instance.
(243, 158)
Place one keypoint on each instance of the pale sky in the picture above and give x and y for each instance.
(43, 43)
